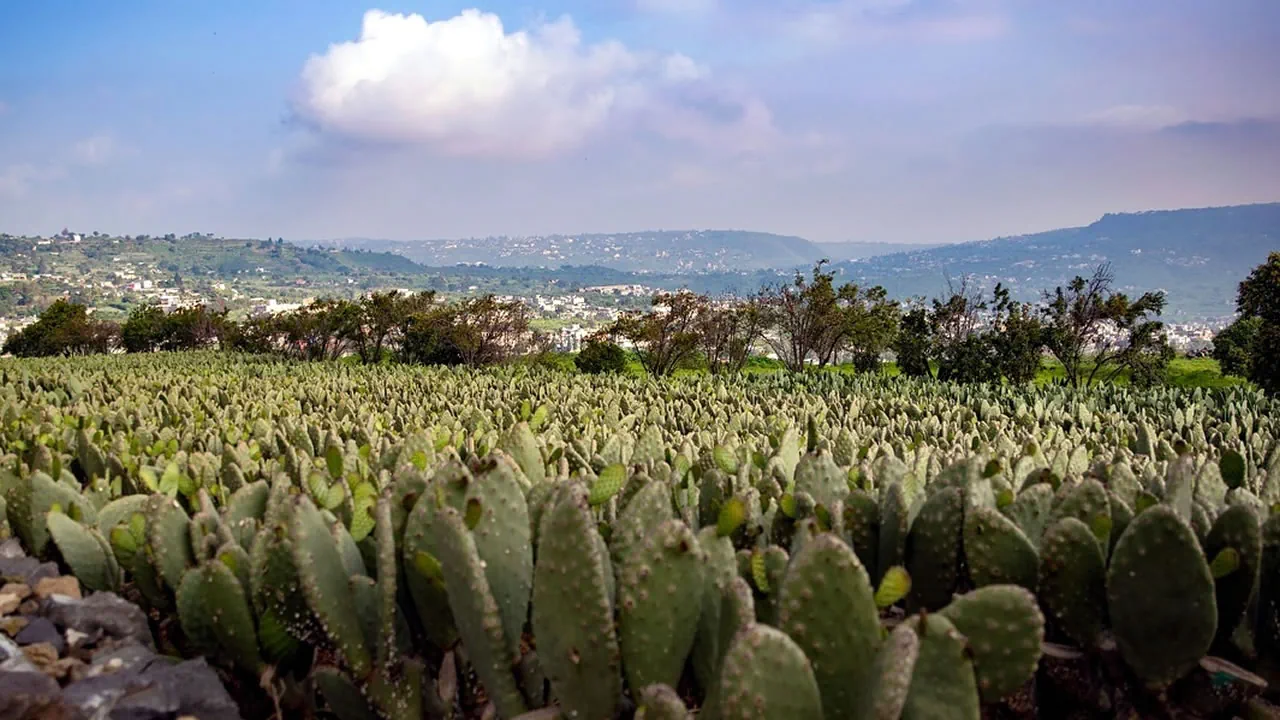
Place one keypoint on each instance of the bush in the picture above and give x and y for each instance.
(64, 328)
(597, 357)
(1233, 347)
(1264, 368)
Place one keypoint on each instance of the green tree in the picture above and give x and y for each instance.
(727, 333)
(665, 337)
(1097, 333)
(258, 335)
(194, 327)
(319, 331)
(1233, 346)
(487, 330)
(1016, 337)
(64, 328)
(1259, 297)
(426, 337)
(145, 329)
(379, 317)
(600, 356)
(811, 319)
(914, 343)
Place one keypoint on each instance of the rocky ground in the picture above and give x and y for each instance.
(65, 655)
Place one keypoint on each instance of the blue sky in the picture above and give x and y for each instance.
(890, 120)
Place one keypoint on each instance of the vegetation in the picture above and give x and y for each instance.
(149, 329)
(793, 545)
(1093, 333)
(1233, 346)
(600, 356)
(1257, 333)
(968, 339)
(1097, 333)
(65, 328)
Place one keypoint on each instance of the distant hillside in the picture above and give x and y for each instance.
(1197, 256)
(837, 251)
(195, 256)
(660, 251)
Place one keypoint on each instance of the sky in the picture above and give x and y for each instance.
(834, 120)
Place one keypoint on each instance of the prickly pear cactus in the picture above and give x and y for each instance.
(997, 551)
(1157, 560)
(1234, 550)
(85, 551)
(827, 606)
(572, 611)
(476, 610)
(659, 600)
(766, 676)
(885, 694)
(326, 585)
(1005, 630)
(214, 611)
(933, 549)
(1073, 581)
(942, 682)
(721, 570)
(660, 702)
(894, 523)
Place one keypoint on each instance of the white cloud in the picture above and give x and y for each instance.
(467, 87)
(97, 149)
(16, 179)
(1146, 117)
(838, 22)
(678, 7)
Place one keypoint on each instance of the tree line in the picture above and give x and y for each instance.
(407, 327)
(968, 335)
(1250, 346)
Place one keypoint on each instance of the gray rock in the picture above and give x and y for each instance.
(101, 613)
(152, 689)
(11, 548)
(40, 630)
(16, 569)
(12, 658)
(31, 695)
(42, 571)
(199, 689)
(26, 570)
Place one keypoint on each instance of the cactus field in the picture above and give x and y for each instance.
(396, 542)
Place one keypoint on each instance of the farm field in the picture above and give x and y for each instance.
(406, 542)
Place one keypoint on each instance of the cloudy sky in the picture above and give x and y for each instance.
(889, 120)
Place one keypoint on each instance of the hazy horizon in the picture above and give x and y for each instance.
(892, 121)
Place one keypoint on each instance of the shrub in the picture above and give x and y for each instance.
(599, 356)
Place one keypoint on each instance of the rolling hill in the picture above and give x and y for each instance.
(656, 251)
(1197, 256)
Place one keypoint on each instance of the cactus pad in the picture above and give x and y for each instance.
(659, 599)
(942, 683)
(827, 607)
(1161, 596)
(572, 613)
(1073, 581)
(766, 676)
(997, 551)
(1005, 629)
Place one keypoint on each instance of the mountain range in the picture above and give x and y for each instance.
(1197, 256)
(656, 251)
